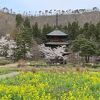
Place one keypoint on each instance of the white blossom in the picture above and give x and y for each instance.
(7, 45)
(52, 53)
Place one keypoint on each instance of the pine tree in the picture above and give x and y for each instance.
(85, 47)
(73, 30)
(27, 23)
(91, 32)
(36, 32)
(19, 20)
(46, 29)
(23, 40)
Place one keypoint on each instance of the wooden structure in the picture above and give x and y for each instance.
(57, 38)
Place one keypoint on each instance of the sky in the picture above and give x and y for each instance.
(37, 5)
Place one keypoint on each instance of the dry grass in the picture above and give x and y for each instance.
(21, 63)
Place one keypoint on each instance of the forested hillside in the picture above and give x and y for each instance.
(28, 32)
(8, 22)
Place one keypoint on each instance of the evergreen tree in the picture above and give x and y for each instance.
(36, 32)
(73, 30)
(23, 40)
(27, 23)
(98, 32)
(91, 32)
(85, 28)
(46, 29)
(19, 20)
(85, 47)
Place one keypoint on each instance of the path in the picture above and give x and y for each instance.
(9, 75)
(10, 65)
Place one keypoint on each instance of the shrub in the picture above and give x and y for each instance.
(91, 65)
(21, 63)
(37, 63)
(4, 61)
(96, 65)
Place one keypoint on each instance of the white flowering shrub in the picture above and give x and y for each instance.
(7, 46)
(53, 53)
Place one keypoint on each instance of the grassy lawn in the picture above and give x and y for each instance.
(6, 70)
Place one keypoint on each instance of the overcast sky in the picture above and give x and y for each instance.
(36, 5)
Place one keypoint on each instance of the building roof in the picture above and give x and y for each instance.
(57, 33)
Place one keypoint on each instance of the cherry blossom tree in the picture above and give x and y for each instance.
(53, 53)
(7, 46)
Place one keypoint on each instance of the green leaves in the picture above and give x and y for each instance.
(84, 46)
(23, 40)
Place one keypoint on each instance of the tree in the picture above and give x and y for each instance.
(85, 28)
(91, 32)
(7, 46)
(73, 30)
(36, 32)
(95, 9)
(98, 32)
(19, 20)
(26, 23)
(46, 29)
(85, 47)
(53, 54)
(23, 42)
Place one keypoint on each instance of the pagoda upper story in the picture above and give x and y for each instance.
(57, 38)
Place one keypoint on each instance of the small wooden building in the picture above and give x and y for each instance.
(57, 38)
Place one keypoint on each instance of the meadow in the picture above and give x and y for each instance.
(51, 86)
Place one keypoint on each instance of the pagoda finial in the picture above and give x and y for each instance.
(56, 20)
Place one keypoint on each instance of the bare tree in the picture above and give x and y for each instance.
(46, 11)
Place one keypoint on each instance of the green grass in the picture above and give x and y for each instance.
(5, 70)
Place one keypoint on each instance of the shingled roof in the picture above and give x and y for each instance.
(57, 33)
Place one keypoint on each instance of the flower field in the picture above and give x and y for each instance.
(51, 86)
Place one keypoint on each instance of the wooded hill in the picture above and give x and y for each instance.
(8, 22)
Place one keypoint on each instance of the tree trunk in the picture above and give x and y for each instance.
(24, 53)
(87, 58)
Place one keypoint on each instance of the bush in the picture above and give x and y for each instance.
(96, 66)
(4, 61)
(21, 63)
(37, 63)
(7, 70)
(91, 65)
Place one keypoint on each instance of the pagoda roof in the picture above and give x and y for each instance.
(57, 33)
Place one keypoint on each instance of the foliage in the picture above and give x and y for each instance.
(53, 53)
(7, 46)
(36, 32)
(37, 63)
(7, 70)
(85, 47)
(52, 86)
(45, 30)
(91, 65)
(4, 61)
(19, 20)
(73, 30)
(23, 42)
